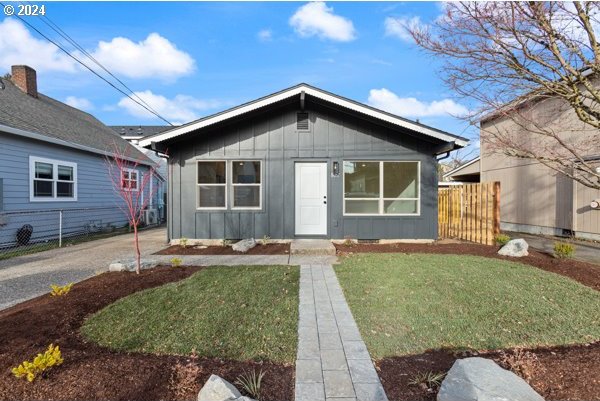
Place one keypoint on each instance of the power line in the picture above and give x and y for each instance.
(90, 69)
(72, 41)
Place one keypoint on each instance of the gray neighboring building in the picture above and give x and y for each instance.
(53, 158)
(303, 163)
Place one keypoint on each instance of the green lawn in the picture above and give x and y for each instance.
(241, 313)
(406, 304)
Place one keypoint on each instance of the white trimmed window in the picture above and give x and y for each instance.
(52, 180)
(246, 182)
(212, 184)
(130, 180)
(237, 183)
(382, 188)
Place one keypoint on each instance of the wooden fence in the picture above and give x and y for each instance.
(470, 212)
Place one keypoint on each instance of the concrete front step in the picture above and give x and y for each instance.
(313, 247)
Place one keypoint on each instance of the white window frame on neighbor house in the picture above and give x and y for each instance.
(55, 164)
(226, 184)
(259, 185)
(137, 180)
(230, 185)
(381, 200)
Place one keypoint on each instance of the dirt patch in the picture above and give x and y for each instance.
(259, 249)
(585, 273)
(562, 373)
(93, 372)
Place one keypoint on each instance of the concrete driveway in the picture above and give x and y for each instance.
(29, 276)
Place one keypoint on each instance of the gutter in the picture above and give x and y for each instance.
(43, 138)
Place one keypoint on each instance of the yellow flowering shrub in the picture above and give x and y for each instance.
(58, 290)
(40, 364)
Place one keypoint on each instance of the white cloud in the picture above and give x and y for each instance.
(265, 35)
(397, 27)
(178, 110)
(80, 103)
(18, 46)
(316, 19)
(154, 56)
(411, 107)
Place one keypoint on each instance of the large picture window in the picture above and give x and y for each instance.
(52, 180)
(381, 188)
(236, 182)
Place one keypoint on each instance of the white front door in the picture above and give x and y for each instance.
(311, 198)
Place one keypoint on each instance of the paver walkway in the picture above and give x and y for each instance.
(333, 363)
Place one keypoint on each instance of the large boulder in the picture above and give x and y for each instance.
(129, 265)
(480, 379)
(218, 389)
(244, 245)
(515, 248)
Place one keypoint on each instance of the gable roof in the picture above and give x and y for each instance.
(49, 120)
(306, 89)
(458, 170)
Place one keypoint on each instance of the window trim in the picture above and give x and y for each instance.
(55, 163)
(259, 185)
(226, 185)
(381, 199)
(137, 179)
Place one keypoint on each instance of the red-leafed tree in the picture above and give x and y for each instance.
(131, 182)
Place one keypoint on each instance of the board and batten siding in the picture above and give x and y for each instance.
(94, 190)
(273, 138)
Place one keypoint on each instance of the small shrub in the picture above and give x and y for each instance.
(265, 240)
(58, 291)
(502, 239)
(522, 363)
(183, 242)
(250, 382)
(348, 241)
(563, 250)
(176, 262)
(40, 365)
(226, 242)
(184, 379)
(427, 380)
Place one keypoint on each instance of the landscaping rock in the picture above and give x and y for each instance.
(244, 245)
(515, 248)
(218, 389)
(244, 398)
(480, 379)
(128, 265)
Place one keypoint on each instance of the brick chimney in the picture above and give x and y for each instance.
(25, 78)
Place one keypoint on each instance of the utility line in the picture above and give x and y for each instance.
(89, 68)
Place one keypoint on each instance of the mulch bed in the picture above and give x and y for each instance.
(93, 372)
(259, 249)
(586, 273)
(562, 373)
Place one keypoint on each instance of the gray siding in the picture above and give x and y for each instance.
(273, 138)
(94, 191)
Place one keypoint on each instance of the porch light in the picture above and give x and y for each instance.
(336, 169)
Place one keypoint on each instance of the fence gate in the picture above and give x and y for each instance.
(470, 212)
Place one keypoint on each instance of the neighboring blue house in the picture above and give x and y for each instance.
(53, 167)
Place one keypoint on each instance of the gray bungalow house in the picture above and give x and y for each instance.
(53, 172)
(303, 163)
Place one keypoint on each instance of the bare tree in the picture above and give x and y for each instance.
(131, 182)
(535, 64)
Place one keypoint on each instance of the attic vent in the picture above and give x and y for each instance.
(302, 122)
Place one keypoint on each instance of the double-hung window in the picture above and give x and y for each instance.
(52, 180)
(130, 180)
(237, 183)
(381, 188)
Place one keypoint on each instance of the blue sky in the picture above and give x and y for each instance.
(192, 59)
